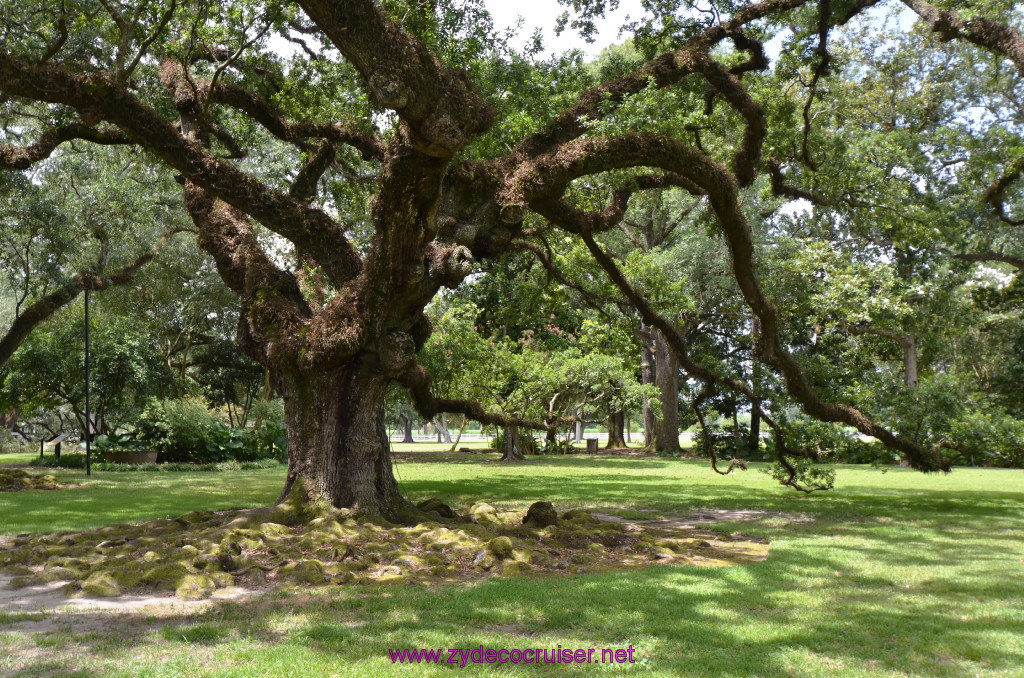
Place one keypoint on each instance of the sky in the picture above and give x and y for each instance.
(544, 13)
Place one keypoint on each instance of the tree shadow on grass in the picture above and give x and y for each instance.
(761, 619)
(884, 581)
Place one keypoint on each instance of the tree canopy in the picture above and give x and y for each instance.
(784, 198)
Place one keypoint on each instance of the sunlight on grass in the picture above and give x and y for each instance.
(892, 574)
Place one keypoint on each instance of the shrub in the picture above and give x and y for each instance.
(180, 467)
(527, 444)
(724, 443)
(558, 446)
(269, 441)
(67, 460)
(182, 431)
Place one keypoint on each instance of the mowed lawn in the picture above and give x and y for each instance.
(891, 574)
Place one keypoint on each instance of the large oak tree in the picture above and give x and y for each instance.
(414, 115)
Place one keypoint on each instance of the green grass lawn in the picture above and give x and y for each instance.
(891, 574)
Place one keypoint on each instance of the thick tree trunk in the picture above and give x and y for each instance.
(443, 434)
(338, 444)
(666, 437)
(616, 426)
(754, 438)
(9, 419)
(407, 421)
(910, 361)
(579, 427)
(647, 376)
(512, 451)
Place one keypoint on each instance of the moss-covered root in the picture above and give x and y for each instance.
(16, 480)
(196, 554)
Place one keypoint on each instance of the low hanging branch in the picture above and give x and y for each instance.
(417, 381)
(45, 307)
(23, 157)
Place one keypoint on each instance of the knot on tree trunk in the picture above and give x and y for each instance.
(396, 351)
(451, 264)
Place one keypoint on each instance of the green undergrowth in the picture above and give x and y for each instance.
(77, 461)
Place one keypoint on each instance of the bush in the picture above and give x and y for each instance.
(68, 460)
(184, 431)
(179, 467)
(558, 446)
(527, 444)
(833, 443)
(724, 443)
(270, 441)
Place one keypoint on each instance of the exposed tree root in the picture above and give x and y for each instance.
(16, 480)
(195, 554)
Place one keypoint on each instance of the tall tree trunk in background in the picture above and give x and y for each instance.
(9, 419)
(909, 344)
(407, 423)
(647, 376)
(616, 424)
(462, 428)
(754, 438)
(579, 426)
(511, 450)
(666, 436)
(443, 434)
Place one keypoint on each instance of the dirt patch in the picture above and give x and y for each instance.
(208, 556)
(16, 480)
(53, 596)
(709, 516)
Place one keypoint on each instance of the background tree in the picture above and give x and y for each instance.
(408, 161)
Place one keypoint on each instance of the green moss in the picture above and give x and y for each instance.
(196, 587)
(409, 562)
(580, 516)
(101, 584)
(58, 573)
(500, 547)
(168, 576)
(303, 572)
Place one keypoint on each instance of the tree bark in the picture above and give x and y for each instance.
(443, 434)
(666, 436)
(647, 376)
(462, 428)
(407, 422)
(616, 427)
(512, 450)
(338, 448)
(910, 361)
(754, 437)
